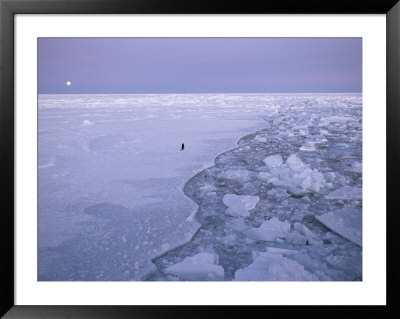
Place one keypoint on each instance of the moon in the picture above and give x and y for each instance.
(68, 83)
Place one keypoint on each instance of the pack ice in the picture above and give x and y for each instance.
(268, 187)
(294, 175)
(265, 205)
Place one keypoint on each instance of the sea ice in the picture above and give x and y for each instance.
(356, 167)
(273, 267)
(295, 163)
(115, 196)
(339, 119)
(269, 230)
(202, 266)
(273, 161)
(261, 139)
(308, 147)
(238, 224)
(347, 222)
(294, 175)
(310, 237)
(87, 123)
(127, 173)
(239, 205)
(302, 229)
(345, 192)
(240, 175)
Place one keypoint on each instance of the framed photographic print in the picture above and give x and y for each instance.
(166, 154)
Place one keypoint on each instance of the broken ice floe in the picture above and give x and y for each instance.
(239, 205)
(269, 230)
(296, 176)
(345, 192)
(273, 161)
(346, 222)
(203, 266)
(302, 236)
(274, 266)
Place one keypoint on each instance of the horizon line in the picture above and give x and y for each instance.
(177, 93)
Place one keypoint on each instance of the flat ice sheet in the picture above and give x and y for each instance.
(111, 176)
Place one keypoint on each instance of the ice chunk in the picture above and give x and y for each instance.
(356, 167)
(271, 266)
(239, 205)
(273, 161)
(265, 175)
(202, 266)
(259, 138)
(278, 193)
(304, 230)
(87, 123)
(207, 188)
(269, 230)
(308, 147)
(345, 192)
(309, 237)
(296, 176)
(329, 176)
(240, 175)
(346, 222)
(295, 163)
(296, 239)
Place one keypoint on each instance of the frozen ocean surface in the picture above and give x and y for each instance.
(253, 195)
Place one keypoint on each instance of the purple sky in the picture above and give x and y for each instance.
(199, 65)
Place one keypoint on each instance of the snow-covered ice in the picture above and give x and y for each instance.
(268, 187)
(115, 163)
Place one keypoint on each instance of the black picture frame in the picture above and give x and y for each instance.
(8, 8)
